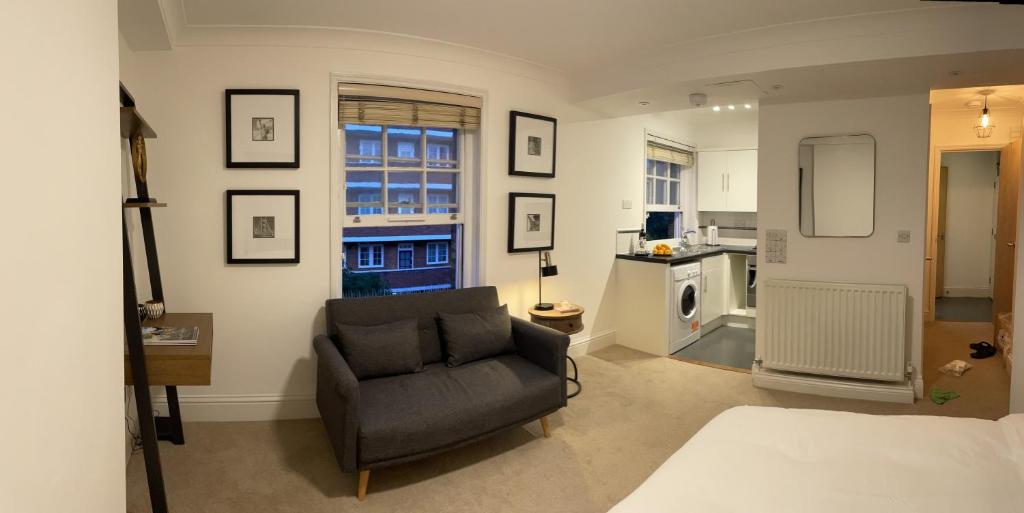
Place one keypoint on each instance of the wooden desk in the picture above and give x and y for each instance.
(173, 366)
(178, 365)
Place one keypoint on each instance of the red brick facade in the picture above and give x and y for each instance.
(422, 274)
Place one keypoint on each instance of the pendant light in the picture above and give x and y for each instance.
(984, 127)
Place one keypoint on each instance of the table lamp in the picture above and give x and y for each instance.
(545, 269)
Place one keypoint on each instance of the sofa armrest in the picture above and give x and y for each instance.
(543, 346)
(337, 398)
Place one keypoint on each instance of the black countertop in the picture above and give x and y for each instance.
(690, 255)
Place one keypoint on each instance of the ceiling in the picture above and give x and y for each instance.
(970, 98)
(567, 35)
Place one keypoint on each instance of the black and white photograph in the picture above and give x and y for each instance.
(262, 226)
(531, 222)
(532, 145)
(261, 128)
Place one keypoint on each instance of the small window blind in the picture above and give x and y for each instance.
(669, 154)
(370, 104)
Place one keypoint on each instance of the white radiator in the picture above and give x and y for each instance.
(834, 329)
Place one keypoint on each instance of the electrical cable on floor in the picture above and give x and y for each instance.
(575, 378)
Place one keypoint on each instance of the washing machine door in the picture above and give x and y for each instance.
(686, 306)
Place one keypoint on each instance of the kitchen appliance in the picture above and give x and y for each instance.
(684, 323)
(751, 281)
(690, 238)
(712, 238)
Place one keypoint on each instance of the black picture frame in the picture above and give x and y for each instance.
(229, 160)
(513, 216)
(229, 217)
(513, 166)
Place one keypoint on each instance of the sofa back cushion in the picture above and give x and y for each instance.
(473, 336)
(384, 350)
(424, 307)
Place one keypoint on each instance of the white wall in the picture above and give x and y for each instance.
(266, 316)
(62, 371)
(970, 218)
(900, 127)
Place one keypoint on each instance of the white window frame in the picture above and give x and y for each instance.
(437, 246)
(406, 248)
(472, 213)
(375, 250)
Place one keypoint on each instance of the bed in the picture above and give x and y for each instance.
(775, 460)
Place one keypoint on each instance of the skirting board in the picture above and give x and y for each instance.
(594, 342)
(967, 292)
(238, 408)
(229, 408)
(833, 387)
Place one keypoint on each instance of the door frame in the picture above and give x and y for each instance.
(932, 218)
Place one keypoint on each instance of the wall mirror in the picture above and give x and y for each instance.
(837, 186)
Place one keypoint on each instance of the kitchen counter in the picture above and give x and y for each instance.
(690, 255)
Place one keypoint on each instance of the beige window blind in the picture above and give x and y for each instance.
(669, 154)
(370, 104)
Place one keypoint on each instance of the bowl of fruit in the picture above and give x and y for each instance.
(662, 250)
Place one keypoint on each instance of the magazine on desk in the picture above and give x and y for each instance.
(170, 336)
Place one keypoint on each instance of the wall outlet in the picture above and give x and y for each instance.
(627, 204)
(903, 236)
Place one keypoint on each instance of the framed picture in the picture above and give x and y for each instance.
(531, 222)
(531, 144)
(263, 227)
(262, 128)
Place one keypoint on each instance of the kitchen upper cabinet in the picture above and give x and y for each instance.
(727, 181)
(712, 167)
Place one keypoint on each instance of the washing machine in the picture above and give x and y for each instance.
(684, 323)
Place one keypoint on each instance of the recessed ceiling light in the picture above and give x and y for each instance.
(746, 105)
(716, 108)
(732, 107)
(643, 103)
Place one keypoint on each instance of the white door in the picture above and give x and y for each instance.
(711, 171)
(741, 181)
(714, 288)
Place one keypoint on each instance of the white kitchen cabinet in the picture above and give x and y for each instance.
(715, 277)
(727, 181)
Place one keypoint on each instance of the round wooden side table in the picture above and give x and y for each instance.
(568, 323)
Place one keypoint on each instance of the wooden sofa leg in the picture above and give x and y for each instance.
(364, 479)
(544, 425)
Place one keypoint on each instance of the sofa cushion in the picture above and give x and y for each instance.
(383, 350)
(473, 336)
(406, 415)
(368, 311)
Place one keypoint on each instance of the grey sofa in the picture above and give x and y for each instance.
(385, 421)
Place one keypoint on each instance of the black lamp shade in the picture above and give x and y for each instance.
(549, 270)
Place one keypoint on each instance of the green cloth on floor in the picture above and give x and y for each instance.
(942, 396)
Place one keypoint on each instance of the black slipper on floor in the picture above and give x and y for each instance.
(979, 345)
(984, 352)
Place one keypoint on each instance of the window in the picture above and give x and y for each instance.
(437, 253)
(664, 176)
(403, 176)
(402, 160)
(405, 253)
(371, 255)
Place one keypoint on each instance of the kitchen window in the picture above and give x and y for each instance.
(437, 253)
(371, 256)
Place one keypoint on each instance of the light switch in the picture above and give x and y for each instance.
(627, 204)
(903, 236)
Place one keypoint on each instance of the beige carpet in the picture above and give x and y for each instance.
(635, 411)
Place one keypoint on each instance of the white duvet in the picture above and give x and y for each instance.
(775, 460)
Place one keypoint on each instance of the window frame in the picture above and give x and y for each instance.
(371, 247)
(437, 246)
(472, 254)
